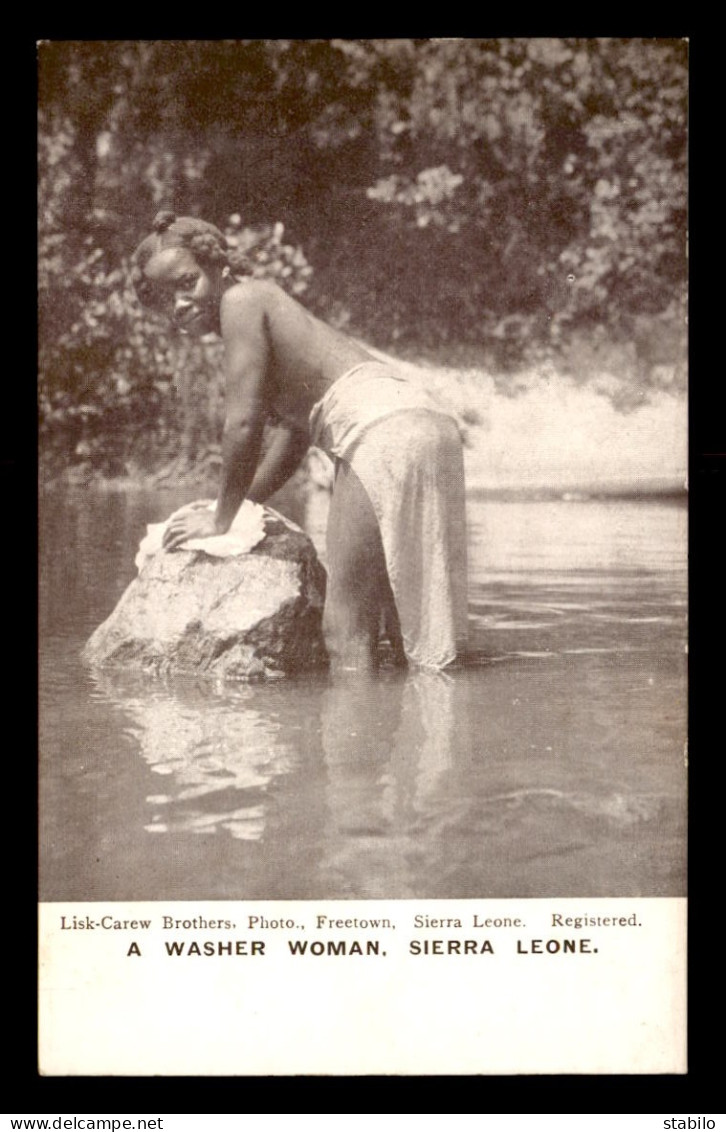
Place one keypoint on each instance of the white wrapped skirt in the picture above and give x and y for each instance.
(406, 451)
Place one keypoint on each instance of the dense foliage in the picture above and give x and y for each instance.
(517, 194)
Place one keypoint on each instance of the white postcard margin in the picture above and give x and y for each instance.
(471, 987)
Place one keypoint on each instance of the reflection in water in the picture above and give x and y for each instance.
(388, 743)
(215, 755)
(551, 763)
(405, 783)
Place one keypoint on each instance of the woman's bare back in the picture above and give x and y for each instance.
(305, 355)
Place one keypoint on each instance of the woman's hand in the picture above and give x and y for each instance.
(189, 524)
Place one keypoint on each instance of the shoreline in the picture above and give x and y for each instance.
(670, 492)
(551, 437)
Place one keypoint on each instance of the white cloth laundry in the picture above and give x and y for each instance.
(247, 530)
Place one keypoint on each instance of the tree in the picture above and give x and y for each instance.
(506, 192)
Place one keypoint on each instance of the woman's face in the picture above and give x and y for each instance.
(177, 286)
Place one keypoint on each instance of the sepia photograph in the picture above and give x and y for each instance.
(363, 506)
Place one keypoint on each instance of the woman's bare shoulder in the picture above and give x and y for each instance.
(255, 294)
(248, 310)
(260, 304)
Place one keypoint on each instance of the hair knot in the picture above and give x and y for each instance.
(163, 220)
(208, 244)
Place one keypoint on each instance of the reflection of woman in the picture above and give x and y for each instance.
(360, 721)
(388, 746)
(428, 706)
(396, 528)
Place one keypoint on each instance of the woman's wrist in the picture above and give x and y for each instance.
(221, 525)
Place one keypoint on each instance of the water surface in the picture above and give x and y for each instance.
(551, 763)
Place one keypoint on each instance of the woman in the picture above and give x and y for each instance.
(396, 537)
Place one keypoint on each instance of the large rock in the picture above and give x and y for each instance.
(256, 614)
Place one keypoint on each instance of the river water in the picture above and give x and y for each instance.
(551, 763)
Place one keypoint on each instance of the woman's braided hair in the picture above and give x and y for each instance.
(208, 244)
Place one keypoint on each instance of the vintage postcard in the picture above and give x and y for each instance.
(373, 761)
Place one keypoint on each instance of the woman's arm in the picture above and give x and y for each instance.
(287, 447)
(247, 350)
(247, 357)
